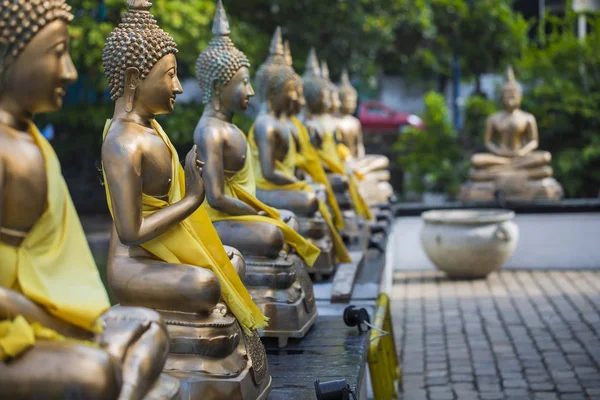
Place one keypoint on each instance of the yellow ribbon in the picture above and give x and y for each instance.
(332, 160)
(287, 167)
(242, 186)
(194, 241)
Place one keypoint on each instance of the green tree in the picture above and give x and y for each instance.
(432, 156)
(563, 75)
(484, 34)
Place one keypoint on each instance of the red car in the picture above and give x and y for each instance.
(376, 117)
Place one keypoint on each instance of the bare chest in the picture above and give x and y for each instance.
(156, 167)
(234, 154)
(511, 127)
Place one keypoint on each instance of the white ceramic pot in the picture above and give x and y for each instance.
(469, 243)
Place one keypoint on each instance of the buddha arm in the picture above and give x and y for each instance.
(123, 166)
(265, 141)
(360, 144)
(13, 304)
(211, 148)
(532, 136)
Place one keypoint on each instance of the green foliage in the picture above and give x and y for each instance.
(477, 110)
(432, 157)
(563, 75)
(483, 34)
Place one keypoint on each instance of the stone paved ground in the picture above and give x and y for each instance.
(518, 334)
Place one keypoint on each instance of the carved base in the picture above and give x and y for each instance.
(212, 357)
(317, 232)
(165, 388)
(251, 382)
(514, 187)
(352, 227)
(283, 291)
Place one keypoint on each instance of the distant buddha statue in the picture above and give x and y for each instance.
(165, 252)
(275, 158)
(321, 100)
(58, 337)
(514, 166)
(276, 254)
(375, 185)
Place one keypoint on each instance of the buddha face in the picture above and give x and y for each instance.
(235, 95)
(511, 98)
(36, 82)
(336, 103)
(157, 93)
(296, 106)
(284, 99)
(349, 104)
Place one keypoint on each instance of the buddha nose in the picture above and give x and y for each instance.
(250, 91)
(69, 72)
(177, 89)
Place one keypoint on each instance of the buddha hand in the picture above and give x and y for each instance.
(194, 184)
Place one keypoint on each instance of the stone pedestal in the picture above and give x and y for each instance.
(513, 186)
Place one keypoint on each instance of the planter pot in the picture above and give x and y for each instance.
(469, 243)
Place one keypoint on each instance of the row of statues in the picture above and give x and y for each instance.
(203, 256)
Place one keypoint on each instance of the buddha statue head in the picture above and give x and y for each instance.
(512, 92)
(297, 105)
(335, 103)
(139, 62)
(223, 71)
(316, 90)
(348, 94)
(35, 65)
(275, 79)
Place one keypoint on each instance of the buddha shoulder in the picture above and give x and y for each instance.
(266, 124)
(125, 139)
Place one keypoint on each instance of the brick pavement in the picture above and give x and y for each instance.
(516, 335)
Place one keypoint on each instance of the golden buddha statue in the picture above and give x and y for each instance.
(58, 338)
(513, 168)
(308, 164)
(321, 100)
(375, 185)
(165, 253)
(276, 255)
(275, 159)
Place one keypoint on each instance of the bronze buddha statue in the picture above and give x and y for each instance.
(320, 95)
(513, 167)
(58, 338)
(375, 185)
(275, 157)
(165, 253)
(276, 255)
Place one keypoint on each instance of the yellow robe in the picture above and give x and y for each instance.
(53, 266)
(331, 159)
(194, 241)
(242, 186)
(288, 167)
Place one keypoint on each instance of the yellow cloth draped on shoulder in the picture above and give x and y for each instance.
(242, 186)
(194, 241)
(287, 167)
(331, 159)
(53, 266)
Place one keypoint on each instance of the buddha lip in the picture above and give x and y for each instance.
(60, 91)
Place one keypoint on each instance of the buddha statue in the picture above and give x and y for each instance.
(275, 156)
(308, 162)
(321, 99)
(514, 168)
(375, 185)
(276, 255)
(165, 253)
(58, 337)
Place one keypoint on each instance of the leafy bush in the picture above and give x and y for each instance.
(564, 76)
(432, 157)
